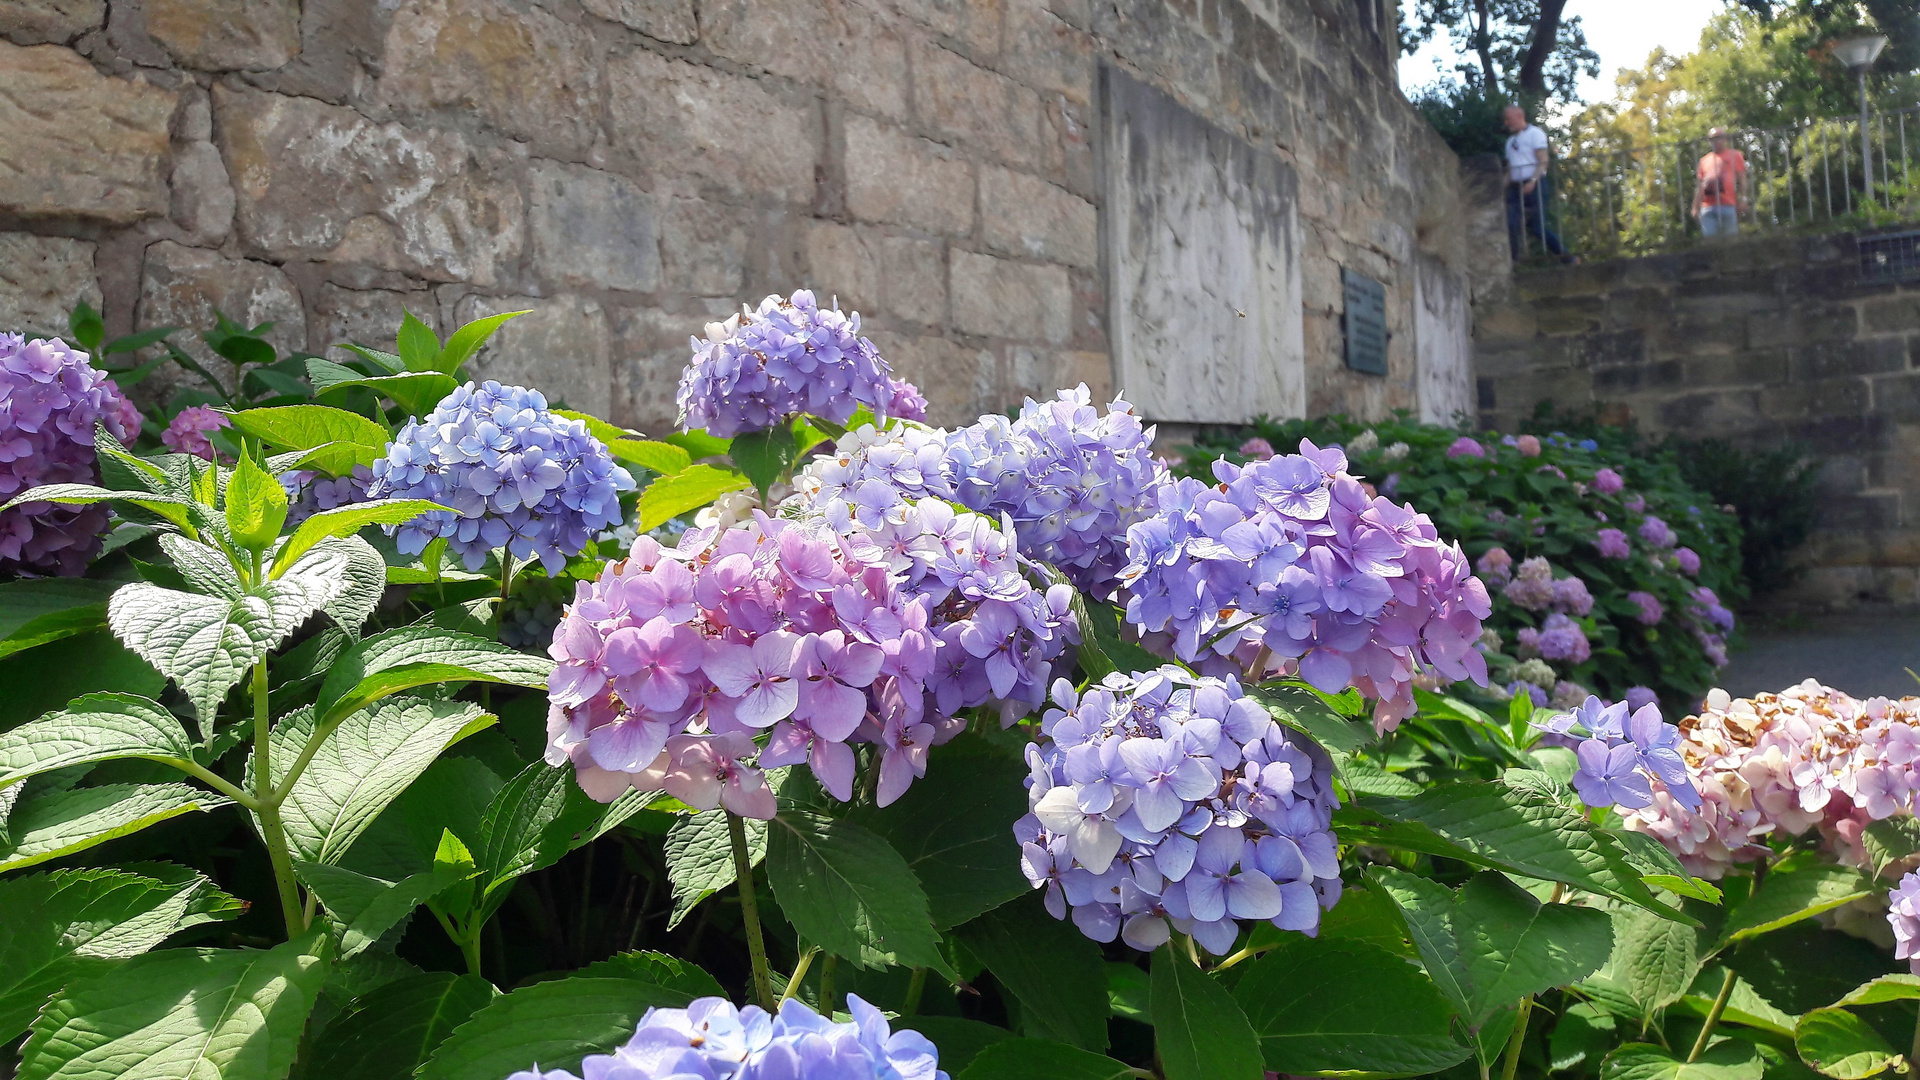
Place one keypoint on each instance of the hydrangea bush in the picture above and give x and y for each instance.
(1608, 574)
(52, 400)
(815, 741)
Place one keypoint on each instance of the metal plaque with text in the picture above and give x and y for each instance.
(1366, 323)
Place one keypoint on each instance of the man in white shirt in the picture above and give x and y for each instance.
(1526, 182)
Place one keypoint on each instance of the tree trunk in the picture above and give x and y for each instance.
(1483, 44)
(1546, 35)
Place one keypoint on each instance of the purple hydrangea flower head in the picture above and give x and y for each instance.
(1903, 914)
(789, 356)
(1495, 567)
(1707, 606)
(1687, 560)
(1532, 586)
(1256, 447)
(1636, 503)
(1465, 446)
(1640, 696)
(1072, 477)
(908, 402)
(51, 400)
(1657, 533)
(1612, 544)
(1607, 482)
(672, 662)
(1651, 612)
(1164, 801)
(1293, 556)
(1562, 639)
(515, 475)
(1521, 686)
(187, 432)
(1570, 595)
(1625, 757)
(309, 491)
(712, 1040)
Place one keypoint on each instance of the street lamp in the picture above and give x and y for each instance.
(1859, 53)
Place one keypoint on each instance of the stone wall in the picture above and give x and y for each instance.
(630, 168)
(1756, 341)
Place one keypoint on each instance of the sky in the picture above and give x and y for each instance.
(1623, 32)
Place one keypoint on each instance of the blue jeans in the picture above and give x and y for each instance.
(1719, 220)
(1525, 222)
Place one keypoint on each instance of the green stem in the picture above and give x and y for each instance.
(470, 948)
(215, 781)
(268, 810)
(750, 912)
(300, 762)
(826, 985)
(1913, 1055)
(799, 973)
(1512, 1064)
(1713, 1017)
(915, 988)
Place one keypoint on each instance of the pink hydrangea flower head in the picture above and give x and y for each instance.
(1607, 482)
(51, 400)
(1465, 446)
(1612, 544)
(187, 432)
(1495, 567)
(1688, 560)
(1257, 448)
(1528, 445)
(1651, 611)
(908, 403)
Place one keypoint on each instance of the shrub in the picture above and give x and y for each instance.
(1608, 571)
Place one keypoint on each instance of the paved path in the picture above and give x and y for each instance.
(1863, 656)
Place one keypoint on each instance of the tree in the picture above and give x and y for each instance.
(1510, 49)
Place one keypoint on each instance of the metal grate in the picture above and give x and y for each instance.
(1890, 257)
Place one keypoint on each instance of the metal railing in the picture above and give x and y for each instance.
(1634, 201)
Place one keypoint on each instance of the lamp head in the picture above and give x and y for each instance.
(1859, 52)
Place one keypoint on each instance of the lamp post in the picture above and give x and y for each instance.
(1859, 53)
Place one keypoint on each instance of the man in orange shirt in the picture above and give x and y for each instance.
(1722, 192)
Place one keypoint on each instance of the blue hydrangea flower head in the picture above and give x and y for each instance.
(712, 1040)
(516, 476)
(1622, 752)
(1072, 476)
(1165, 801)
(789, 356)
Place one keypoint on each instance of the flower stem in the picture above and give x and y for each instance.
(915, 987)
(750, 911)
(1713, 1017)
(1512, 1064)
(826, 984)
(799, 973)
(271, 828)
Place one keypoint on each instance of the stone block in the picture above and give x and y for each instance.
(1569, 314)
(1897, 397)
(1047, 53)
(515, 66)
(1495, 323)
(685, 119)
(1873, 356)
(315, 181)
(369, 317)
(664, 20)
(1816, 399)
(649, 352)
(703, 247)
(1895, 314)
(837, 45)
(226, 35)
(41, 279)
(960, 101)
(843, 262)
(202, 195)
(591, 229)
(1738, 369)
(79, 143)
(961, 383)
(1042, 373)
(1026, 216)
(1628, 378)
(972, 25)
(896, 178)
(999, 298)
(913, 277)
(1797, 325)
(1066, 146)
(561, 348)
(187, 287)
(35, 22)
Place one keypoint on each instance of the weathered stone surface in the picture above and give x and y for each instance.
(1043, 373)
(592, 229)
(961, 101)
(1000, 298)
(649, 351)
(960, 382)
(202, 196)
(515, 65)
(1026, 216)
(80, 143)
(41, 279)
(974, 25)
(368, 317)
(33, 22)
(843, 262)
(840, 45)
(719, 129)
(913, 277)
(561, 348)
(186, 287)
(1443, 340)
(667, 20)
(703, 247)
(316, 181)
(897, 178)
(226, 35)
(1047, 53)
